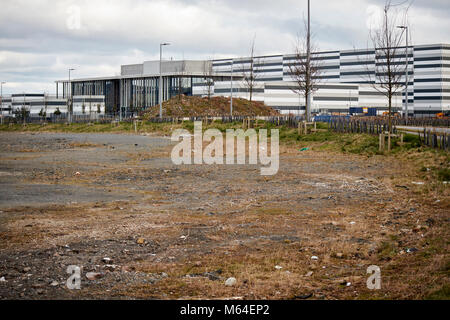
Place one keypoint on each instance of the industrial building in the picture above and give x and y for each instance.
(346, 81)
(39, 103)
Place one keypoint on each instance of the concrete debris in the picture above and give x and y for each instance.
(230, 282)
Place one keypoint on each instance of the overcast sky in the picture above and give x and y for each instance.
(41, 39)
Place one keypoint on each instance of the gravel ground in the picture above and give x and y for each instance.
(179, 231)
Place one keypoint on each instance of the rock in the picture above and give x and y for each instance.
(309, 274)
(339, 255)
(54, 283)
(39, 291)
(278, 267)
(230, 282)
(314, 258)
(93, 275)
(352, 222)
(26, 269)
(107, 260)
(140, 241)
(2, 279)
(410, 250)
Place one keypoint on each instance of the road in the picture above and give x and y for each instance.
(415, 129)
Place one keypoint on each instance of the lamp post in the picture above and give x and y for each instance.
(1, 94)
(405, 28)
(69, 99)
(231, 94)
(308, 59)
(160, 77)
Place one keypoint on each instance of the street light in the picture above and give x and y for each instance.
(69, 99)
(405, 28)
(308, 59)
(1, 94)
(160, 77)
(231, 93)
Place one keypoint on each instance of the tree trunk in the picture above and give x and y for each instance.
(306, 104)
(390, 114)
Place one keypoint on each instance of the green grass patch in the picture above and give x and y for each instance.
(323, 139)
(443, 174)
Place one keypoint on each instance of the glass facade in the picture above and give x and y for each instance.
(132, 94)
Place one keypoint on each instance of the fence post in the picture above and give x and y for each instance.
(381, 142)
(389, 141)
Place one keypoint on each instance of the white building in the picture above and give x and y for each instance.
(34, 103)
(347, 80)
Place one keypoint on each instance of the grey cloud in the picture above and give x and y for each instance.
(36, 45)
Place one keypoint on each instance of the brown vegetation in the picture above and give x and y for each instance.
(191, 106)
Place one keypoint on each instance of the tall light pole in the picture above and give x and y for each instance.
(231, 96)
(405, 28)
(160, 77)
(1, 94)
(308, 59)
(69, 99)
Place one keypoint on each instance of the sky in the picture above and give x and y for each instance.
(41, 39)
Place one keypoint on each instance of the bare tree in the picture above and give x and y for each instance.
(388, 76)
(208, 77)
(304, 70)
(249, 72)
(180, 74)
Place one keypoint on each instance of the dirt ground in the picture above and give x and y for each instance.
(115, 205)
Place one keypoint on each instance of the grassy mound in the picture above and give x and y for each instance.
(187, 106)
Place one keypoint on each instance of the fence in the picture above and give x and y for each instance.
(435, 139)
(289, 121)
(422, 122)
(351, 125)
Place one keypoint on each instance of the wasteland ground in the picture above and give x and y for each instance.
(174, 232)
